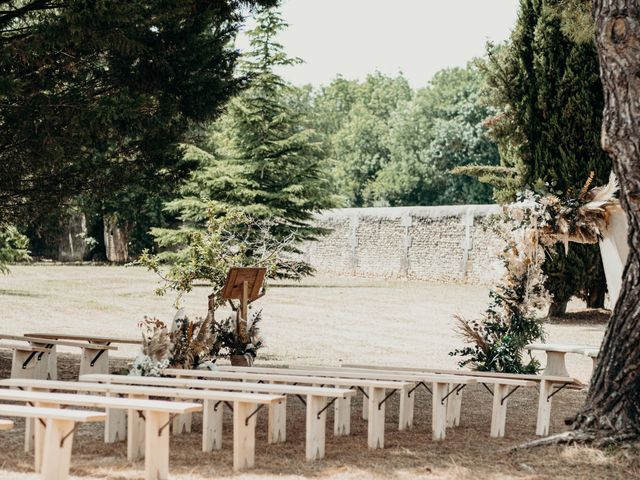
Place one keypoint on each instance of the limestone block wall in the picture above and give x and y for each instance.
(442, 244)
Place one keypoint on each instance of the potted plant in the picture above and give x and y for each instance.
(241, 351)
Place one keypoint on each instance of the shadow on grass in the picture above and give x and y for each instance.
(588, 316)
(20, 293)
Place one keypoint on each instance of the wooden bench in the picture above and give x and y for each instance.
(95, 358)
(58, 436)
(546, 385)
(556, 356)
(446, 405)
(245, 406)
(30, 361)
(156, 414)
(318, 399)
(500, 393)
(375, 394)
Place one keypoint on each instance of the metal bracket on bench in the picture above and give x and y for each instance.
(229, 406)
(386, 398)
(417, 385)
(301, 399)
(67, 435)
(99, 354)
(455, 390)
(141, 415)
(215, 406)
(509, 394)
(246, 421)
(28, 360)
(171, 417)
(487, 389)
(557, 390)
(48, 346)
(325, 407)
(363, 392)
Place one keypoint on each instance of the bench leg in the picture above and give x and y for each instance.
(212, 415)
(156, 463)
(278, 422)
(544, 408)
(100, 364)
(375, 427)
(181, 423)
(407, 401)
(39, 426)
(244, 435)
(439, 415)
(499, 412)
(57, 455)
(365, 405)
(52, 363)
(316, 428)
(342, 417)
(454, 406)
(115, 428)
(135, 433)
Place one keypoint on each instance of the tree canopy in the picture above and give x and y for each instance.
(97, 95)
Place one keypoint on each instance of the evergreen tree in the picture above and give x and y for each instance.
(545, 82)
(258, 159)
(96, 95)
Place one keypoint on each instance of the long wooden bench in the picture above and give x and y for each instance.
(30, 361)
(502, 389)
(95, 358)
(317, 401)
(245, 406)
(547, 385)
(58, 436)
(156, 414)
(377, 397)
(446, 405)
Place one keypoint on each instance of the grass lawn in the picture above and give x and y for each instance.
(319, 321)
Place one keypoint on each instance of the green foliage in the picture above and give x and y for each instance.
(545, 83)
(96, 95)
(13, 247)
(393, 146)
(258, 159)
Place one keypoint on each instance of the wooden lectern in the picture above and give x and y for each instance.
(243, 284)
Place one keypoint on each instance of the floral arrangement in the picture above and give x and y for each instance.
(529, 227)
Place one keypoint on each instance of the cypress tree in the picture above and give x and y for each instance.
(546, 82)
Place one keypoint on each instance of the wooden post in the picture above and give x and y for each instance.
(342, 416)
(244, 435)
(52, 363)
(39, 436)
(136, 431)
(365, 405)
(544, 408)
(115, 427)
(375, 427)
(454, 406)
(499, 412)
(101, 363)
(56, 458)
(212, 415)
(439, 415)
(316, 427)
(156, 464)
(244, 312)
(407, 401)
(278, 422)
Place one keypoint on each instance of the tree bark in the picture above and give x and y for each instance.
(612, 408)
(557, 309)
(116, 240)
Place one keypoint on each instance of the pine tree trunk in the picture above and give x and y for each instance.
(596, 292)
(612, 408)
(557, 309)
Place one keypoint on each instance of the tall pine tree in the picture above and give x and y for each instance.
(259, 158)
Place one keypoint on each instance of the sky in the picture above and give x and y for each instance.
(415, 37)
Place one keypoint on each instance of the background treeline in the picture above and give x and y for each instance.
(145, 121)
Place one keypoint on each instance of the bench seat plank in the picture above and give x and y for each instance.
(86, 338)
(11, 410)
(6, 424)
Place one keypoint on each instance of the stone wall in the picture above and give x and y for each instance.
(442, 244)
